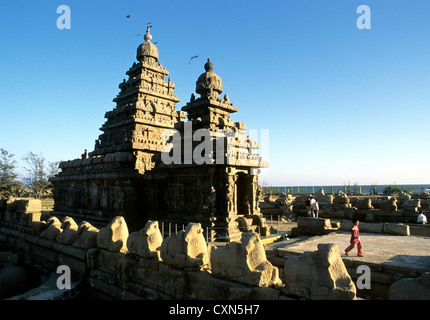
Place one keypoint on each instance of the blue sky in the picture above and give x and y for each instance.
(342, 105)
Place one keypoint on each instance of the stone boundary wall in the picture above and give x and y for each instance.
(399, 208)
(113, 264)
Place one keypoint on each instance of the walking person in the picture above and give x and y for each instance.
(355, 239)
(315, 208)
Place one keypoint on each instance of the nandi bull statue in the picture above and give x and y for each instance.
(186, 249)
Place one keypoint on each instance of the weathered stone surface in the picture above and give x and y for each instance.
(396, 228)
(322, 197)
(52, 229)
(341, 198)
(87, 236)
(411, 288)
(244, 261)
(411, 205)
(313, 226)
(319, 275)
(146, 242)
(13, 281)
(404, 196)
(114, 236)
(25, 205)
(365, 204)
(389, 205)
(186, 249)
(70, 231)
(317, 223)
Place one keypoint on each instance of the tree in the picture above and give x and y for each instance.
(8, 176)
(38, 173)
(36, 178)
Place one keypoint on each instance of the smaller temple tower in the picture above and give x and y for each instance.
(217, 178)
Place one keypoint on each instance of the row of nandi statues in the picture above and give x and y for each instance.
(243, 261)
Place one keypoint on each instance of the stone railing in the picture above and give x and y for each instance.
(142, 264)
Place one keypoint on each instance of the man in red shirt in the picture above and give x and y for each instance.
(355, 239)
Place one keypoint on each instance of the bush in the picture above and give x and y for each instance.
(396, 189)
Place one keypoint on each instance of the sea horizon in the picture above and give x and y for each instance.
(350, 189)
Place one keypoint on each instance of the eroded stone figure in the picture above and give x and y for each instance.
(114, 236)
(146, 242)
(319, 275)
(70, 231)
(244, 261)
(52, 229)
(186, 249)
(87, 236)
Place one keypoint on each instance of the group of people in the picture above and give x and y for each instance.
(312, 207)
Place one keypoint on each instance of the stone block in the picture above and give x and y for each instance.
(371, 227)
(396, 228)
(316, 223)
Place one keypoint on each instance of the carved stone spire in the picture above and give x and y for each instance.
(147, 51)
(209, 84)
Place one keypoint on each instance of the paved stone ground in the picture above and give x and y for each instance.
(408, 252)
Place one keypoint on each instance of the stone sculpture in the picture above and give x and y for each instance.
(411, 288)
(322, 197)
(114, 236)
(365, 204)
(87, 236)
(389, 205)
(146, 242)
(319, 275)
(244, 261)
(186, 249)
(51, 229)
(342, 199)
(70, 231)
(411, 205)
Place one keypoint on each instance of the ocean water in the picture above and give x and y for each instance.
(349, 189)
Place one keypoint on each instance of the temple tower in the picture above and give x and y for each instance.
(145, 107)
(214, 183)
(220, 188)
(113, 179)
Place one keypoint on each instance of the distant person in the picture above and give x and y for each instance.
(308, 206)
(355, 239)
(421, 219)
(315, 208)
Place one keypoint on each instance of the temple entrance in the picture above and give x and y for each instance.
(241, 194)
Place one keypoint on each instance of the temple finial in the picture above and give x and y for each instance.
(209, 67)
(148, 36)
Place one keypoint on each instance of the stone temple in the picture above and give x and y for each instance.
(127, 173)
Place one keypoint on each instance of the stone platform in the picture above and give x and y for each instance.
(409, 252)
(389, 257)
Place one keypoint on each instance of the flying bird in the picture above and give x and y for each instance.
(128, 17)
(194, 57)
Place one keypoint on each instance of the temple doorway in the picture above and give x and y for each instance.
(241, 194)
